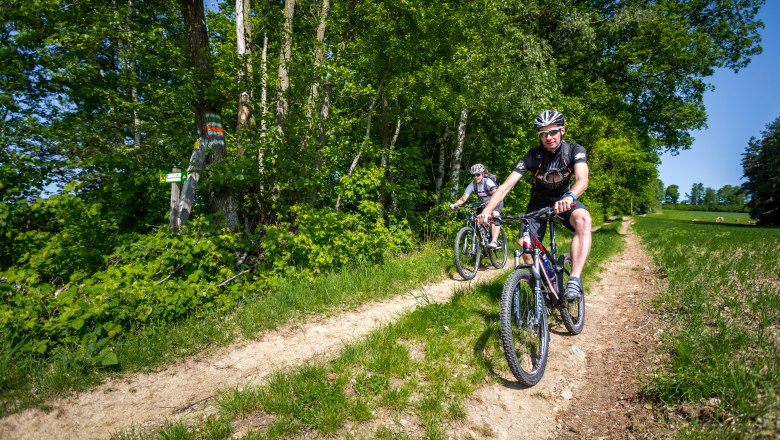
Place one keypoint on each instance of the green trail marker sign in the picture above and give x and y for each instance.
(179, 176)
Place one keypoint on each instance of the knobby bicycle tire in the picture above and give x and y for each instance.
(498, 256)
(525, 340)
(572, 312)
(467, 253)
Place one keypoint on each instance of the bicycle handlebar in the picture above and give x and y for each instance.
(474, 205)
(544, 213)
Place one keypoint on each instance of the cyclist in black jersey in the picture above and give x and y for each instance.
(554, 165)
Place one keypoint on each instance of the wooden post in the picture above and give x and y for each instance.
(175, 192)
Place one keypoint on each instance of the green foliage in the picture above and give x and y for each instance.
(720, 309)
(728, 199)
(74, 243)
(160, 278)
(427, 364)
(672, 194)
(323, 240)
(760, 162)
(97, 101)
(167, 276)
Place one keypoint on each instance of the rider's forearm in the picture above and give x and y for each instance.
(496, 199)
(581, 175)
(501, 192)
(579, 188)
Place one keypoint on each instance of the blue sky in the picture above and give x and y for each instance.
(740, 107)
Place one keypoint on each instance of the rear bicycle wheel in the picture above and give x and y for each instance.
(572, 312)
(467, 252)
(498, 256)
(525, 339)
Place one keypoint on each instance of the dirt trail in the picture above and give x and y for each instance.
(590, 379)
(590, 387)
(187, 388)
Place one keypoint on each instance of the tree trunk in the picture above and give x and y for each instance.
(367, 134)
(388, 144)
(327, 88)
(129, 63)
(319, 51)
(244, 44)
(457, 155)
(207, 120)
(443, 143)
(282, 106)
(263, 104)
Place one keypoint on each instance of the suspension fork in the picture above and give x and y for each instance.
(538, 300)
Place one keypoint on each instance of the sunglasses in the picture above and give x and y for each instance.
(477, 174)
(552, 132)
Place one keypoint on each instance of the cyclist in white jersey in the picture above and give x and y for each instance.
(484, 186)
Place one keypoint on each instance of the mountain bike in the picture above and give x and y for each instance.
(471, 244)
(529, 295)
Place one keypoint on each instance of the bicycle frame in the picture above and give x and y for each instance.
(478, 229)
(525, 310)
(541, 279)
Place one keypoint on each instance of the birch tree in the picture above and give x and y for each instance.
(367, 134)
(457, 154)
(282, 104)
(244, 48)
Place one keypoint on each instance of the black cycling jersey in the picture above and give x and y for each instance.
(552, 172)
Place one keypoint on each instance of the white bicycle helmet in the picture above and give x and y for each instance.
(477, 169)
(549, 117)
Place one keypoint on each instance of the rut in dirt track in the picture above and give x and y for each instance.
(591, 388)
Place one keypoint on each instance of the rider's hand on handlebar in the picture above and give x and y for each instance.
(563, 205)
(453, 206)
(484, 218)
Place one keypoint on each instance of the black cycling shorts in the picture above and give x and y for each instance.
(539, 227)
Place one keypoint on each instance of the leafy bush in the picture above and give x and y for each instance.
(67, 237)
(167, 275)
(322, 240)
(161, 277)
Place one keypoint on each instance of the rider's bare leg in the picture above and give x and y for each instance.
(494, 229)
(580, 243)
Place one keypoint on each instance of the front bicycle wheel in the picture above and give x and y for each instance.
(498, 255)
(572, 312)
(525, 336)
(467, 253)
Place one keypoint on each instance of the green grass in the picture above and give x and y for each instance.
(420, 368)
(741, 218)
(721, 313)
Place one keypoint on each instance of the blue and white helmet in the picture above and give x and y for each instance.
(549, 117)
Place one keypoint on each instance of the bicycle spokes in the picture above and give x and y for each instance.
(524, 333)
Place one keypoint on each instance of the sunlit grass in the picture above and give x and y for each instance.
(420, 369)
(721, 311)
(259, 312)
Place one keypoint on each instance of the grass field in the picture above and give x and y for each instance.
(737, 218)
(721, 314)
